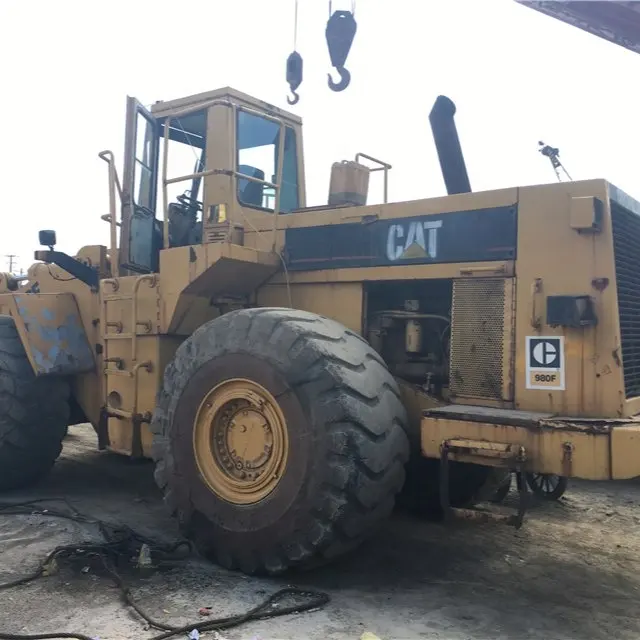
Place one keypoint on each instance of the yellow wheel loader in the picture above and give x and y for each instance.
(295, 370)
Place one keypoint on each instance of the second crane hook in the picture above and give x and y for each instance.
(340, 32)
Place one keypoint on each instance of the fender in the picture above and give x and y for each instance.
(51, 331)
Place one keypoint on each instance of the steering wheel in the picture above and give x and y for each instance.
(187, 201)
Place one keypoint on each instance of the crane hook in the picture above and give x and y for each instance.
(340, 32)
(345, 79)
(294, 75)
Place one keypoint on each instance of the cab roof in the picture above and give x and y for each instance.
(163, 108)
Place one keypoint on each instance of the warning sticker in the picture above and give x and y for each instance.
(545, 363)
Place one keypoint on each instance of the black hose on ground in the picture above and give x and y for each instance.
(123, 543)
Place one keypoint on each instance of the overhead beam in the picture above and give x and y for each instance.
(617, 22)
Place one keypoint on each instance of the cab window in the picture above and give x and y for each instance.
(185, 156)
(258, 157)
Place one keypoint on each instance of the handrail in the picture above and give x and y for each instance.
(278, 190)
(226, 172)
(108, 157)
(384, 166)
(114, 184)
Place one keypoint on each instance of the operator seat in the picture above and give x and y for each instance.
(250, 192)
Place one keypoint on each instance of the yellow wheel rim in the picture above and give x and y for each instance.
(240, 441)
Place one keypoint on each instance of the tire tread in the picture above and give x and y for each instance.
(34, 413)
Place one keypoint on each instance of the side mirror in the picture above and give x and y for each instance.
(47, 238)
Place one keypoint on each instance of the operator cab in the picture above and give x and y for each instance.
(195, 163)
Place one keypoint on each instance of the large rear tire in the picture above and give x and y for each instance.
(34, 413)
(328, 451)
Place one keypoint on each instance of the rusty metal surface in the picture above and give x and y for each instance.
(466, 412)
(617, 22)
(587, 449)
(52, 333)
(589, 426)
(528, 419)
(476, 514)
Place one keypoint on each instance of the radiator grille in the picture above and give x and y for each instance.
(626, 249)
(480, 325)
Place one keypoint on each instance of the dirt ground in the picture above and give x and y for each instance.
(572, 571)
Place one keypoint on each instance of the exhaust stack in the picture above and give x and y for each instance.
(445, 136)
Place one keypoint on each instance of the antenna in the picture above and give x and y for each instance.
(553, 153)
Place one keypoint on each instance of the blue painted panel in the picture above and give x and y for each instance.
(53, 333)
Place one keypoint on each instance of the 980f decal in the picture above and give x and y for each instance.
(545, 363)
